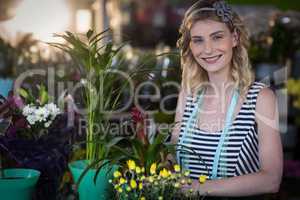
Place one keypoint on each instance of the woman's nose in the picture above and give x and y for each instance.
(207, 47)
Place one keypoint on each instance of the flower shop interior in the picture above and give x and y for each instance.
(75, 75)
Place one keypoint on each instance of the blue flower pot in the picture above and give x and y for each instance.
(18, 184)
(88, 190)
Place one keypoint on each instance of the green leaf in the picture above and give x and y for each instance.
(124, 152)
(23, 93)
(95, 42)
(157, 147)
(114, 141)
(89, 33)
(28, 97)
(139, 151)
(43, 95)
(98, 35)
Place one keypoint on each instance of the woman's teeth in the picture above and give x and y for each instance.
(212, 59)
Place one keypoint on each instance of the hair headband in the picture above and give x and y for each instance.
(222, 9)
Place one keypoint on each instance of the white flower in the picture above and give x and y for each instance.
(52, 109)
(32, 119)
(83, 81)
(27, 110)
(41, 114)
(47, 124)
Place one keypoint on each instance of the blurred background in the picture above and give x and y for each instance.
(150, 28)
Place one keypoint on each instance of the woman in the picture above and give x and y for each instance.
(228, 124)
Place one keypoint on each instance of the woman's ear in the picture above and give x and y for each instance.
(235, 38)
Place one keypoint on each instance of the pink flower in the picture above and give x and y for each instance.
(14, 101)
(139, 119)
(137, 115)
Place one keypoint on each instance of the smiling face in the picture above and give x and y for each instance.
(212, 45)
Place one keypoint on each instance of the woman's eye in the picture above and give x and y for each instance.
(217, 37)
(198, 41)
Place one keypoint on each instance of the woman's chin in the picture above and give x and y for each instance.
(213, 69)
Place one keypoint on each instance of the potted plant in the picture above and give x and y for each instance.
(36, 137)
(132, 182)
(102, 90)
(149, 173)
(18, 183)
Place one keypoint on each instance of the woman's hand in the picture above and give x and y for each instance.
(196, 188)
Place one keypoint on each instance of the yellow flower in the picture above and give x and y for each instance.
(202, 179)
(133, 184)
(117, 174)
(143, 169)
(128, 188)
(138, 170)
(122, 180)
(160, 198)
(164, 173)
(142, 198)
(140, 186)
(143, 178)
(131, 164)
(151, 179)
(183, 182)
(176, 185)
(177, 168)
(153, 168)
(120, 190)
(186, 173)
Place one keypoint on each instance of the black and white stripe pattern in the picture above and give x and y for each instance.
(241, 156)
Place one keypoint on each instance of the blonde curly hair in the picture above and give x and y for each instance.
(193, 74)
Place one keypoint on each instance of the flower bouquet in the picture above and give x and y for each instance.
(149, 172)
(132, 182)
(36, 136)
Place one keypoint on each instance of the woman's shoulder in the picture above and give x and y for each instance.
(255, 88)
(264, 91)
(266, 95)
(266, 100)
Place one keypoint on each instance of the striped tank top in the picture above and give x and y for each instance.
(241, 155)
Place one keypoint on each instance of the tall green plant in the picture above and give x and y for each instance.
(94, 54)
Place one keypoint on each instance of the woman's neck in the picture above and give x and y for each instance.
(219, 83)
